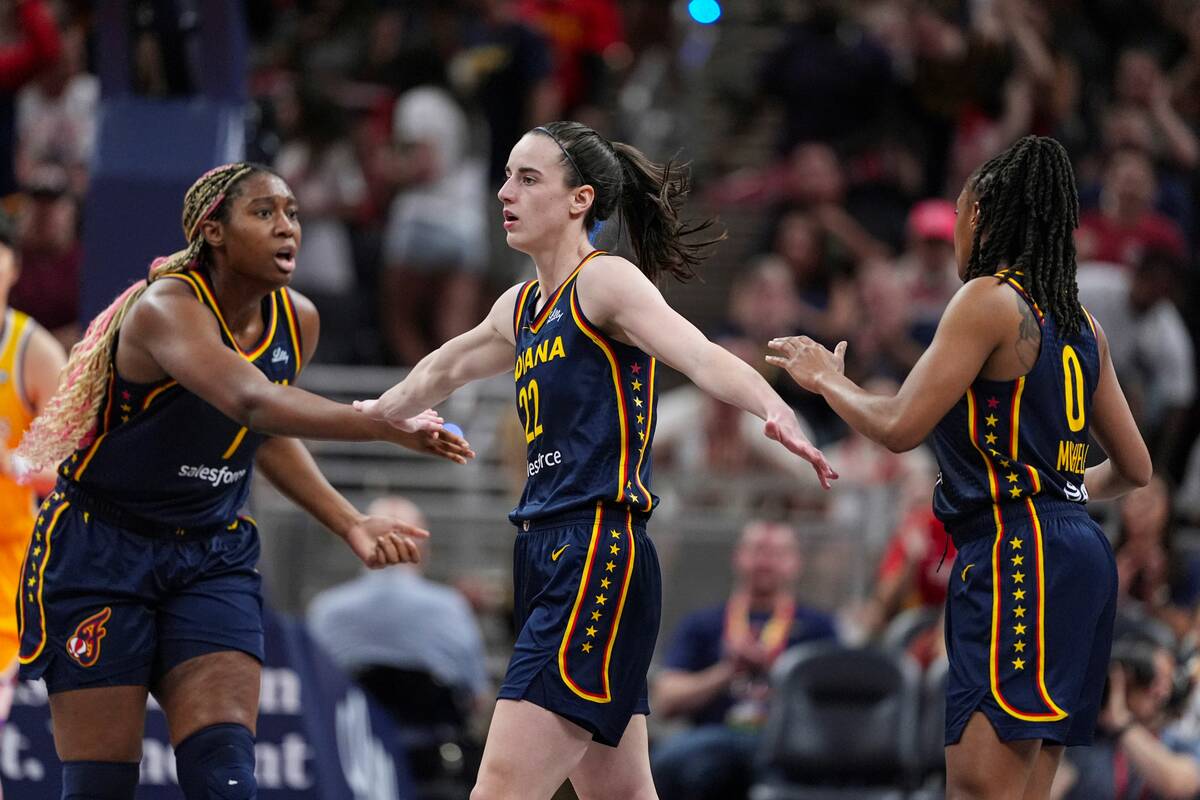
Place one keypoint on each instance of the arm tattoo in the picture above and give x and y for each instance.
(1029, 336)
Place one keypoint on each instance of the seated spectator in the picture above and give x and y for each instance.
(1126, 224)
(428, 626)
(1137, 755)
(1148, 339)
(1151, 569)
(50, 254)
(715, 670)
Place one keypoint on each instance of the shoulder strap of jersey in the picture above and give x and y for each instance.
(1013, 278)
(293, 326)
(519, 311)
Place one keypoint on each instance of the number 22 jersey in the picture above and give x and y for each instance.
(587, 405)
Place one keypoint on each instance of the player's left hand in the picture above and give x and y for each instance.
(381, 541)
(783, 428)
(807, 361)
(440, 442)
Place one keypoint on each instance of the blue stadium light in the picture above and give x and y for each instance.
(706, 12)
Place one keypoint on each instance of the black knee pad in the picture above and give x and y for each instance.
(99, 780)
(217, 763)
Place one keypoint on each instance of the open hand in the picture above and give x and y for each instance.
(807, 361)
(783, 428)
(427, 420)
(380, 541)
(440, 442)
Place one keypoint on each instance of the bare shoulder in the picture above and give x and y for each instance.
(166, 305)
(987, 303)
(610, 283)
(609, 270)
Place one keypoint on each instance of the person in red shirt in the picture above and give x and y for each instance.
(581, 33)
(1126, 224)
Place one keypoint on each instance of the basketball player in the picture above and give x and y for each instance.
(30, 359)
(140, 571)
(1017, 377)
(588, 335)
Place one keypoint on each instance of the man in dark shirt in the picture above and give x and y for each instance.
(715, 670)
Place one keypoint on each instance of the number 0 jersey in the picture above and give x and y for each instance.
(163, 454)
(586, 404)
(1012, 441)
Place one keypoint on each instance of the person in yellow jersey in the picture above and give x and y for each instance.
(30, 360)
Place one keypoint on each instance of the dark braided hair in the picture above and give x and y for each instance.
(1028, 211)
(648, 198)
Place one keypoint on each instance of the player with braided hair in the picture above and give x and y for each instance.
(139, 575)
(1017, 376)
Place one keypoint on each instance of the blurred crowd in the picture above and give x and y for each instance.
(836, 154)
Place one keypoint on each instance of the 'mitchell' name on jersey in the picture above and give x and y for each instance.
(1015, 441)
(586, 405)
(162, 453)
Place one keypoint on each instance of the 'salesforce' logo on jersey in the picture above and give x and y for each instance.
(222, 476)
(279, 355)
(544, 461)
(1076, 494)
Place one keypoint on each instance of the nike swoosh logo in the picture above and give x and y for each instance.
(964, 572)
(554, 556)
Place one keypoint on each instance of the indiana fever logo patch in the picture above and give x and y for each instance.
(84, 644)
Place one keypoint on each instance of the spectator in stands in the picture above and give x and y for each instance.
(435, 248)
(506, 68)
(1126, 224)
(439, 634)
(904, 302)
(1137, 755)
(1151, 568)
(1152, 349)
(56, 114)
(585, 36)
(34, 49)
(715, 670)
(51, 254)
(1141, 85)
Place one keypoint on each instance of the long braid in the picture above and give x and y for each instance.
(1028, 211)
(69, 419)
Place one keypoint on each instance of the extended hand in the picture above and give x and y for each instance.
(380, 541)
(784, 428)
(427, 420)
(440, 442)
(807, 361)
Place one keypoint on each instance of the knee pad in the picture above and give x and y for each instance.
(99, 780)
(217, 763)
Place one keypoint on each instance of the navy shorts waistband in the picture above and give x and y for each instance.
(109, 512)
(982, 523)
(578, 516)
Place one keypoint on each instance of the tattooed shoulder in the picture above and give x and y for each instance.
(1029, 335)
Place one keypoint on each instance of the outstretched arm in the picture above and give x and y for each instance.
(169, 332)
(617, 297)
(484, 351)
(972, 327)
(377, 541)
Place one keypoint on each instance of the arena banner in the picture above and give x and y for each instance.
(319, 736)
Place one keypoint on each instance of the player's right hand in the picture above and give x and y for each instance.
(382, 541)
(783, 428)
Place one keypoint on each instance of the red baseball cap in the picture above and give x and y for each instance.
(932, 219)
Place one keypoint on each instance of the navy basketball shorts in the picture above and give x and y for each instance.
(587, 602)
(1029, 623)
(100, 605)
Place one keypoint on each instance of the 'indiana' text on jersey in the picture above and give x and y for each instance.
(1008, 441)
(587, 407)
(162, 453)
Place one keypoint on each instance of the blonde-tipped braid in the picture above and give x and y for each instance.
(69, 420)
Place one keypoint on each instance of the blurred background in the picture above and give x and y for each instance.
(831, 139)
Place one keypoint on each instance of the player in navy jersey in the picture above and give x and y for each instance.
(1017, 377)
(587, 336)
(139, 575)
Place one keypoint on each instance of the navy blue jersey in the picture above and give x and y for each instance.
(1008, 442)
(161, 453)
(586, 404)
